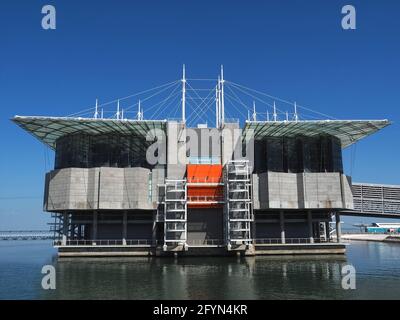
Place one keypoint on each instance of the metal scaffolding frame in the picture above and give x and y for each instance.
(238, 213)
(56, 226)
(64, 228)
(175, 213)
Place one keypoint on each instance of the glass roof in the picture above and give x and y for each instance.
(348, 131)
(49, 129)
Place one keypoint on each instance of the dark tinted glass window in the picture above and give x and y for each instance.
(87, 151)
(293, 155)
(312, 154)
(298, 154)
(275, 154)
(337, 162)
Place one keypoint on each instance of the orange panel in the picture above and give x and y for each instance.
(200, 174)
(204, 173)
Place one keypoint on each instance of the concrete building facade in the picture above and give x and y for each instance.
(209, 192)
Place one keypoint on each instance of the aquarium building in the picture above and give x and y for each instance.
(276, 195)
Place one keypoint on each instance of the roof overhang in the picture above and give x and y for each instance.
(49, 129)
(348, 131)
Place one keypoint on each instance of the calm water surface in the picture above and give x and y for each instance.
(309, 277)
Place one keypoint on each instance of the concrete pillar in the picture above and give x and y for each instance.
(65, 229)
(94, 228)
(282, 224)
(338, 227)
(253, 229)
(327, 234)
(80, 231)
(310, 226)
(124, 227)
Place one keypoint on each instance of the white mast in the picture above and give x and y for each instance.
(267, 115)
(254, 111)
(217, 105)
(138, 113)
(287, 116)
(102, 113)
(296, 116)
(274, 114)
(219, 102)
(96, 112)
(122, 114)
(118, 110)
(183, 95)
(222, 96)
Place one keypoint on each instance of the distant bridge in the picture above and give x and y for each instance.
(26, 235)
(375, 200)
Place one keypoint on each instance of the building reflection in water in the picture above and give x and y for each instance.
(262, 277)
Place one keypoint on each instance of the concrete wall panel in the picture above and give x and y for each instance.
(99, 188)
(278, 190)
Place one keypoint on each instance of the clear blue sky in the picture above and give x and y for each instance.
(296, 50)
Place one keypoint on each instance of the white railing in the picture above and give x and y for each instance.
(138, 242)
(205, 199)
(205, 242)
(204, 180)
(367, 232)
(289, 241)
(119, 242)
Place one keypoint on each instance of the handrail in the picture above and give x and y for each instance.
(204, 180)
(205, 199)
(288, 241)
(192, 242)
(365, 232)
(200, 242)
(111, 242)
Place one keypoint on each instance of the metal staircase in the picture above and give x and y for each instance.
(175, 215)
(238, 213)
(56, 226)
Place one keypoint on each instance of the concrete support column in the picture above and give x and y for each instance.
(94, 229)
(80, 231)
(282, 224)
(338, 227)
(65, 229)
(253, 229)
(124, 227)
(327, 234)
(154, 230)
(310, 226)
